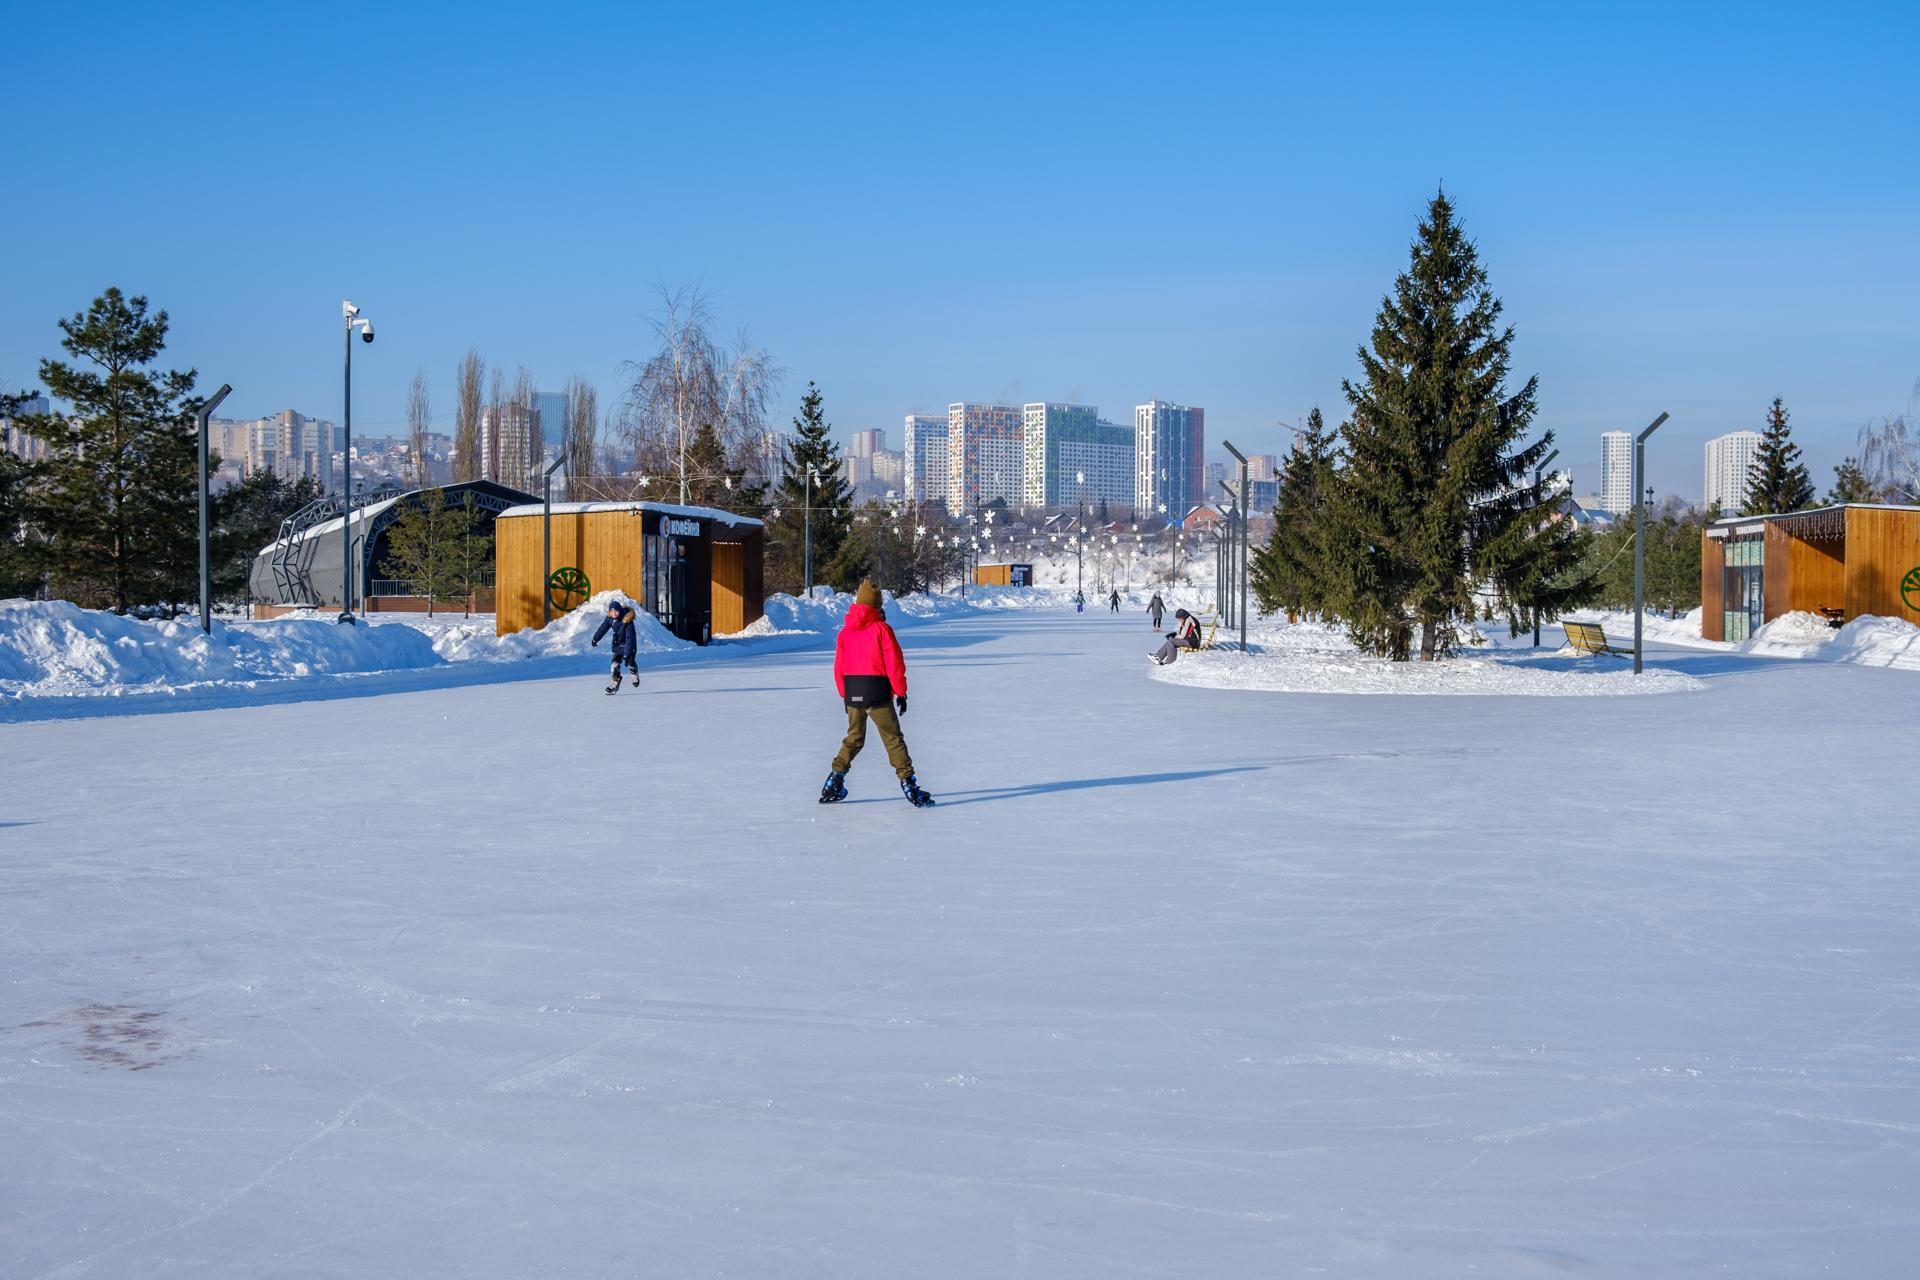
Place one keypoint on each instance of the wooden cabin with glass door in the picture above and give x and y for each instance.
(699, 570)
(1841, 562)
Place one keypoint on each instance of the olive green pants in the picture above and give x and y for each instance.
(888, 724)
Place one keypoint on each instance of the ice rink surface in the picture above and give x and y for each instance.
(519, 980)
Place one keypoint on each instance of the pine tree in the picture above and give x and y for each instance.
(1287, 573)
(422, 543)
(1436, 499)
(247, 517)
(116, 502)
(1851, 484)
(829, 496)
(1778, 480)
(713, 483)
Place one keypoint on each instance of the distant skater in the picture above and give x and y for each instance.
(1185, 635)
(1079, 602)
(626, 646)
(871, 674)
(1113, 602)
(1156, 610)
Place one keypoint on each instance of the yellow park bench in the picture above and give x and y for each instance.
(1589, 637)
(1208, 623)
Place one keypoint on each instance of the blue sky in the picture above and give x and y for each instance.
(1686, 208)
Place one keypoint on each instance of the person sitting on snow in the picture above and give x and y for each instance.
(626, 644)
(1185, 635)
(871, 674)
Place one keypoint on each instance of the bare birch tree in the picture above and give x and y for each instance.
(1890, 453)
(689, 382)
(466, 420)
(491, 464)
(419, 422)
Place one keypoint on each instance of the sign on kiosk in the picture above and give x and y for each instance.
(672, 528)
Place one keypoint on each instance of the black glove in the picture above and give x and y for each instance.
(900, 704)
(594, 645)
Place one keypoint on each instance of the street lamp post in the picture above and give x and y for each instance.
(546, 538)
(1079, 532)
(201, 416)
(1640, 537)
(351, 319)
(1537, 473)
(806, 517)
(1246, 508)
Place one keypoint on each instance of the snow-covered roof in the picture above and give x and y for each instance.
(667, 508)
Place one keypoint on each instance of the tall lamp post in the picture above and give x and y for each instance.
(1640, 537)
(1537, 473)
(1079, 533)
(1246, 509)
(546, 537)
(1229, 545)
(806, 517)
(200, 417)
(350, 319)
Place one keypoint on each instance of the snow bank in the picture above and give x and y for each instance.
(1867, 641)
(55, 649)
(1311, 657)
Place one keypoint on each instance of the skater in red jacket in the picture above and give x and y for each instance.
(871, 674)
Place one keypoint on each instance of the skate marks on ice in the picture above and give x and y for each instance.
(123, 1037)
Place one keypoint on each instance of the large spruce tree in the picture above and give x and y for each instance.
(1436, 502)
(1778, 480)
(1288, 572)
(115, 501)
(829, 496)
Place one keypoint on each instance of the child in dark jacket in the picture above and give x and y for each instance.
(871, 674)
(626, 644)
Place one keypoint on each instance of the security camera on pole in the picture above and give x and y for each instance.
(351, 319)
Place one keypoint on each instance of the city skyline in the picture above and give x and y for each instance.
(1675, 242)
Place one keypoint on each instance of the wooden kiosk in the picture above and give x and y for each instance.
(1003, 575)
(1840, 562)
(698, 570)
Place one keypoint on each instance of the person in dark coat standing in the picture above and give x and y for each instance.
(871, 674)
(626, 643)
(1156, 610)
(1113, 602)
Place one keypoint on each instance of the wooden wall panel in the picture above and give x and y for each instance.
(1882, 548)
(1773, 578)
(1816, 576)
(729, 588)
(1713, 563)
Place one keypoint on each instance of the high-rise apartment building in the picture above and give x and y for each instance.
(17, 442)
(867, 443)
(510, 444)
(1169, 450)
(289, 444)
(554, 415)
(889, 470)
(1064, 442)
(924, 455)
(1729, 462)
(1616, 471)
(1262, 467)
(986, 455)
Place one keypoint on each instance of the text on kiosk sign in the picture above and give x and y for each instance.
(671, 528)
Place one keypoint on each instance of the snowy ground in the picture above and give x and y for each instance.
(514, 979)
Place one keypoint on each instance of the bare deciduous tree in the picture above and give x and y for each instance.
(583, 434)
(419, 422)
(692, 381)
(466, 423)
(530, 466)
(1890, 453)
